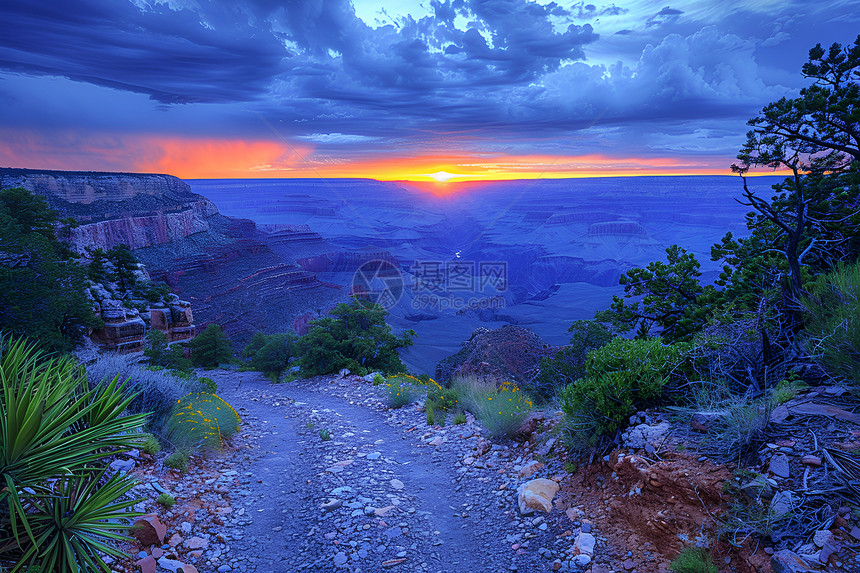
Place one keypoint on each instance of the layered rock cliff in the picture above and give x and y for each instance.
(231, 272)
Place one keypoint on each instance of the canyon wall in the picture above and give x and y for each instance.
(229, 270)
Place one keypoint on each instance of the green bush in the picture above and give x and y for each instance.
(378, 379)
(178, 461)
(166, 500)
(430, 410)
(568, 364)
(693, 560)
(270, 354)
(156, 349)
(325, 435)
(355, 337)
(622, 377)
(58, 509)
(459, 418)
(202, 420)
(43, 297)
(211, 347)
(834, 321)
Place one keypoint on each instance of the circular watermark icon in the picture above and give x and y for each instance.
(378, 282)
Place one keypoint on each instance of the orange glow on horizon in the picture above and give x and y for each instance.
(219, 158)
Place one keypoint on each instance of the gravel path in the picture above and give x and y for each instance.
(384, 493)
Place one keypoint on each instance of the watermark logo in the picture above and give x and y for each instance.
(441, 285)
(378, 282)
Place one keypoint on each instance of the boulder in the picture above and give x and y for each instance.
(536, 495)
(149, 530)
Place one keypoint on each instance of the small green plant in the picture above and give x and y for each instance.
(325, 435)
(398, 390)
(445, 399)
(459, 418)
(430, 409)
(178, 461)
(166, 500)
(210, 385)
(571, 467)
(693, 560)
(151, 445)
(787, 389)
(378, 379)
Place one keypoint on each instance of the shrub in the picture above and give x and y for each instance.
(178, 461)
(202, 420)
(693, 560)
(155, 392)
(378, 379)
(211, 347)
(59, 509)
(622, 377)
(834, 324)
(356, 337)
(398, 390)
(568, 364)
(503, 412)
(166, 500)
(472, 391)
(270, 354)
(156, 349)
(459, 418)
(787, 389)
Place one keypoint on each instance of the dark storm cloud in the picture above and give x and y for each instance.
(168, 54)
(479, 68)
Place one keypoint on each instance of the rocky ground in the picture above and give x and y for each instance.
(388, 492)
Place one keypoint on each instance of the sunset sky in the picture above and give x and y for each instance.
(398, 89)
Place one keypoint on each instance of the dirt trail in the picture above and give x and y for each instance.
(399, 505)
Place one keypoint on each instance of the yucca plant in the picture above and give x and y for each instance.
(54, 430)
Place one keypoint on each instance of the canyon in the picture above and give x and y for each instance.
(269, 255)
